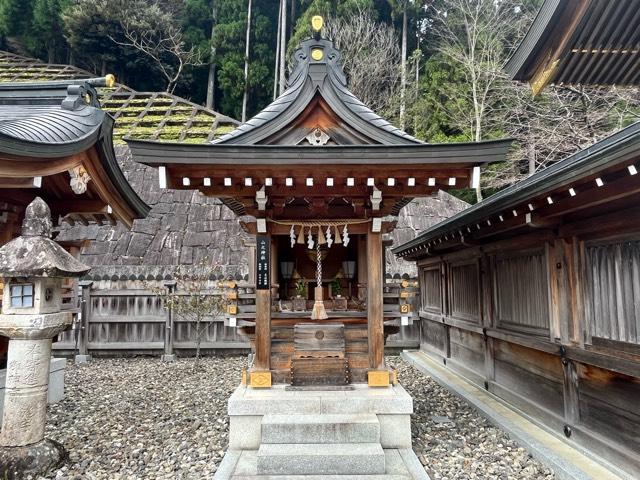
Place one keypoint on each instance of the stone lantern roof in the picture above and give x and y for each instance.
(35, 254)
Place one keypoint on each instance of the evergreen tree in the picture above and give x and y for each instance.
(48, 29)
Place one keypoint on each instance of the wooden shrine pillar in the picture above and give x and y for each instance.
(260, 375)
(375, 317)
(363, 266)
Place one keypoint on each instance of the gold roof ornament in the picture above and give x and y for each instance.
(110, 80)
(317, 22)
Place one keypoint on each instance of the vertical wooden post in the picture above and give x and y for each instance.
(362, 265)
(83, 327)
(168, 327)
(263, 330)
(485, 283)
(260, 376)
(570, 392)
(375, 317)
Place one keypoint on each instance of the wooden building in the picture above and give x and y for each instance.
(534, 294)
(56, 144)
(589, 42)
(317, 175)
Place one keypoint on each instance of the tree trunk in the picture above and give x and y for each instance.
(211, 79)
(276, 69)
(246, 64)
(403, 79)
(283, 44)
(292, 17)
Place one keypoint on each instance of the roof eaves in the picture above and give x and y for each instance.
(518, 64)
(586, 161)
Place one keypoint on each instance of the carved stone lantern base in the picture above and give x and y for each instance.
(36, 460)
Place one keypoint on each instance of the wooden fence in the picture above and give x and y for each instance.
(128, 317)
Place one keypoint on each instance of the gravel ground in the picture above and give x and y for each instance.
(142, 419)
(454, 442)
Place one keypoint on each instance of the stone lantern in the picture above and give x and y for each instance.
(32, 267)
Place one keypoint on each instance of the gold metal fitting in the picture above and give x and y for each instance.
(317, 22)
(317, 54)
(110, 80)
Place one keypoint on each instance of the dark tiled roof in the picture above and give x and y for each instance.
(592, 42)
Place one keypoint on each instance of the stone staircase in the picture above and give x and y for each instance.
(327, 446)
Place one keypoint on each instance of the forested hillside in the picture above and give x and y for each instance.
(433, 67)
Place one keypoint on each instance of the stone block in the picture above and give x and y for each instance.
(320, 429)
(321, 459)
(395, 431)
(278, 401)
(56, 380)
(245, 432)
(80, 359)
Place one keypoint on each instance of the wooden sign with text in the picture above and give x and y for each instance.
(262, 262)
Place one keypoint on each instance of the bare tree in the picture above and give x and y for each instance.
(197, 299)
(152, 31)
(477, 35)
(555, 124)
(371, 59)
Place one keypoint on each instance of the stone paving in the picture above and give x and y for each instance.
(141, 419)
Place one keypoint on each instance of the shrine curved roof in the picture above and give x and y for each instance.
(28, 129)
(43, 120)
(308, 78)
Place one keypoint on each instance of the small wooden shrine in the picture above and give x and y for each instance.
(319, 179)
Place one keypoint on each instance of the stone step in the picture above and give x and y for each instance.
(320, 477)
(321, 459)
(327, 428)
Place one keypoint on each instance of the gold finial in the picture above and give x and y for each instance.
(110, 80)
(317, 22)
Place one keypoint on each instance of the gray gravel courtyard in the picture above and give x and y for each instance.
(142, 419)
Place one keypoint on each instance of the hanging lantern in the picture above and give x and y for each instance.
(329, 237)
(345, 235)
(301, 235)
(338, 237)
(310, 243)
(321, 239)
(292, 236)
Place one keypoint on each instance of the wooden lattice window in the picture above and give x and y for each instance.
(613, 291)
(521, 292)
(463, 293)
(431, 288)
